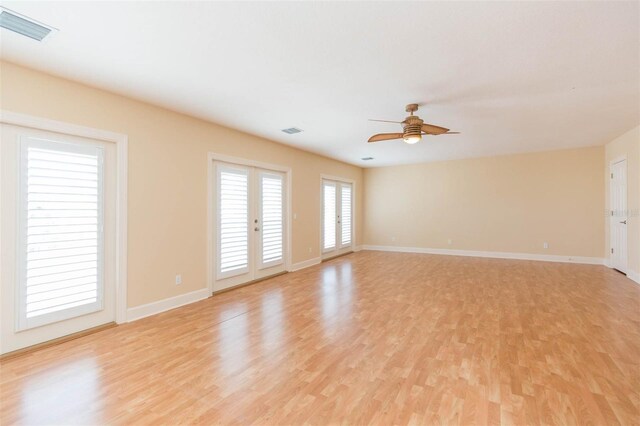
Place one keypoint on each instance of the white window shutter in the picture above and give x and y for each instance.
(272, 220)
(233, 205)
(60, 231)
(345, 214)
(329, 215)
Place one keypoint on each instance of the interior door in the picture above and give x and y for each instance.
(618, 216)
(250, 224)
(337, 218)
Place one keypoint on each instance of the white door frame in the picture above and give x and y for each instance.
(609, 216)
(338, 251)
(121, 143)
(211, 214)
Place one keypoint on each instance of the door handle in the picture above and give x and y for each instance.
(624, 222)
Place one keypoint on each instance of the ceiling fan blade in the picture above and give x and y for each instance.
(433, 130)
(385, 137)
(387, 121)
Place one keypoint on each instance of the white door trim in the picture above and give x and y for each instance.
(609, 260)
(121, 142)
(338, 251)
(211, 239)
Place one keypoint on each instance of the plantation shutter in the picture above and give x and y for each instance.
(272, 218)
(345, 216)
(329, 215)
(233, 220)
(60, 233)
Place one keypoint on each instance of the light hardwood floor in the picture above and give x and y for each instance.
(369, 338)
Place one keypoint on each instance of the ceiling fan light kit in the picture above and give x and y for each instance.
(413, 128)
(411, 139)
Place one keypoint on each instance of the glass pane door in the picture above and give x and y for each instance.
(337, 217)
(250, 224)
(345, 215)
(271, 219)
(329, 219)
(232, 221)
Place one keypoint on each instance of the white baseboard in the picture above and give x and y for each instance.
(634, 276)
(305, 264)
(153, 308)
(357, 248)
(492, 254)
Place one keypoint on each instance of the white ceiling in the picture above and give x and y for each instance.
(511, 76)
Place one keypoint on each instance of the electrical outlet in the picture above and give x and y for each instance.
(545, 245)
(449, 241)
(178, 279)
(310, 250)
(393, 238)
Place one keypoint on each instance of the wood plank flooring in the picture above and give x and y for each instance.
(369, 338)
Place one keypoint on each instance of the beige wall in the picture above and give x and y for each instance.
(511, 203)
(168, 176)
(627, 146)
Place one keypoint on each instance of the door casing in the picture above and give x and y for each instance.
(121, 150)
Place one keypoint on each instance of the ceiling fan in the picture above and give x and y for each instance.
(413, 128)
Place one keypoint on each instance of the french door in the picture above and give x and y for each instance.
(337, 217)
(250, 224)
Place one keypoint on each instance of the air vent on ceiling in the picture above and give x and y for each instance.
(23, 25)
(292, 130)
(367, 158)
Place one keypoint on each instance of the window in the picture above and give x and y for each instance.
(60, 235)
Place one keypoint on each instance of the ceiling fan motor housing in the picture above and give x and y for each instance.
(412, 126)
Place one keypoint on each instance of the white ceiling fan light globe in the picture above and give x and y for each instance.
(412, 139)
